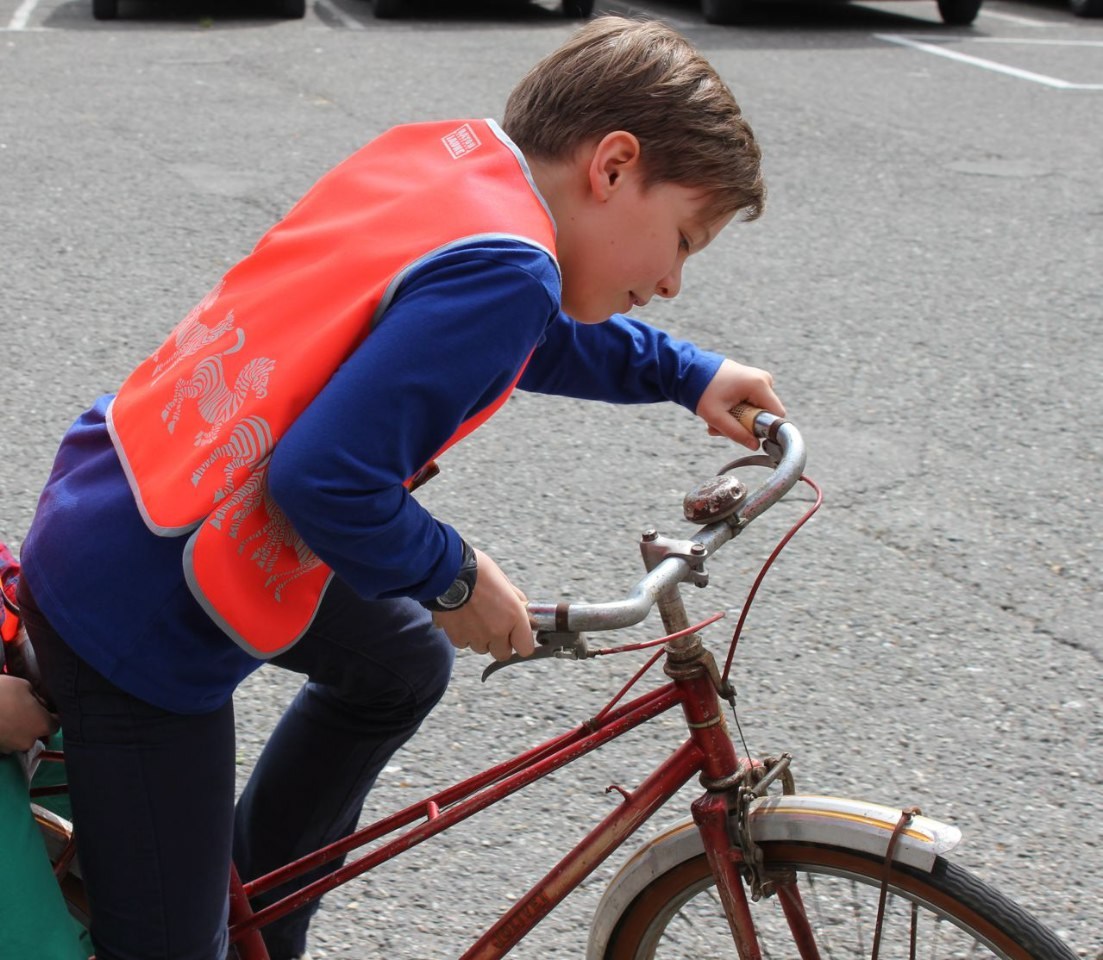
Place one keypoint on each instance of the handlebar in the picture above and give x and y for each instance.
(783, 451)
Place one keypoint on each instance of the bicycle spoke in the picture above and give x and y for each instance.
(855, 906)
(823, 940)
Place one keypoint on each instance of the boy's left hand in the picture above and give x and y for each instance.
(23, 718)
(733, 384)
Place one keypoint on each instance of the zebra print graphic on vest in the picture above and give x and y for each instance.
(216, 401)
(192, 335)
(249, 443)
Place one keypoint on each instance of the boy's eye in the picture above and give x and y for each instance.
(685, 243)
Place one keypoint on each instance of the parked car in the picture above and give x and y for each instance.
(1087, 8)
(955, 12)
(389, 9)
(291, 9)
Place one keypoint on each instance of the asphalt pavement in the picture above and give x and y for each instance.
(925, 285)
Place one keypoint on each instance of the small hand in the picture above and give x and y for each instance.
(494, 620)
(23, 718)
(733, 384)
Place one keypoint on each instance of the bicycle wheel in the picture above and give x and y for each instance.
(952, 913)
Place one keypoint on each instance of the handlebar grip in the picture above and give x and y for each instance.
(746, 415)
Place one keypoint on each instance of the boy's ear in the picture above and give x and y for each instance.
(616, 156)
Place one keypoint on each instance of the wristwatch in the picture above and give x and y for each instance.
(462, 587)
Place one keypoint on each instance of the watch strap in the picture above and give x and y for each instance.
(461, 589)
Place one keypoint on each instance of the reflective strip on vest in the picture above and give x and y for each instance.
(195, 424)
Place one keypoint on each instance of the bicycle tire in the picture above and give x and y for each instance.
(679, 914)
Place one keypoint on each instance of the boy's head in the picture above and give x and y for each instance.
(641, 77)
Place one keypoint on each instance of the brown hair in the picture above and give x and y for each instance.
(641, 76)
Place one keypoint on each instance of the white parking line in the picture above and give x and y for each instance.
(1037, 41)
(346, 19)
(1012, 18)
(22, 15)
(989, 64)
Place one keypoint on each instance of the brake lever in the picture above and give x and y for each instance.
(769, 457)
(564, 645)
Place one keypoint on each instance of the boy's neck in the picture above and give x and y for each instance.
(560, 183)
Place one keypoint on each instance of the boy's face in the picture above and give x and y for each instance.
(629, 243)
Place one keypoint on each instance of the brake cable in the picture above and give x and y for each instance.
(782, 543)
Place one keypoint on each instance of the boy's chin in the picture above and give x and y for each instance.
(587, 313)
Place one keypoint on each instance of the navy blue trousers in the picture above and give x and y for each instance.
(153, 792)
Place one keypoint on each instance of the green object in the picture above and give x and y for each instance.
(50, 773)
(34, 921)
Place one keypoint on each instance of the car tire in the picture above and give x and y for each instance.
(726, 11)
(292, 9)
(578, 9)
(105, 9)
(1086, 8)
(958, 13)
(388, 9)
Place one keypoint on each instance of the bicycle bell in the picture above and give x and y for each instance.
(714, 499)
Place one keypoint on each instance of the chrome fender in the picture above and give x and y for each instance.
(835, 821)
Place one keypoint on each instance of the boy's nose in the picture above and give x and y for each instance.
(671, 284)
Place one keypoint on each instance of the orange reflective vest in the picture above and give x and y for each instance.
(195, 424)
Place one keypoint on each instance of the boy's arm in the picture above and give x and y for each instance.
(453, 339)
(625, 360)
(622, 360)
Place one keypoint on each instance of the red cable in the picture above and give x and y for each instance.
(765, 567)
(781, 544)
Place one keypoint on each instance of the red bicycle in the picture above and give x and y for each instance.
(758, 870)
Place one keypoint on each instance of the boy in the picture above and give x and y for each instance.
(248, 489)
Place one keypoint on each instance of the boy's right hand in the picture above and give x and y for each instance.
(733, 384)
(494, 620)
(23, 718)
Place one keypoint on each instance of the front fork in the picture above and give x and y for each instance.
(735, 859)
(722, 813)
(711, 814)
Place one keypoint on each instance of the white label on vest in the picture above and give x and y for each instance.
(461, 141)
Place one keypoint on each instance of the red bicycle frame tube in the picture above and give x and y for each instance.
(710, 813)
(708, 751)
(446, 809)
(586, 856)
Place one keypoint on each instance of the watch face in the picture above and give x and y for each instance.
(456, 595)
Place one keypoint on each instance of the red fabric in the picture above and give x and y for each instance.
(195, 423)
(198, 416)
(9, 578)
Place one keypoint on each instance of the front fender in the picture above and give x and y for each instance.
(833, 821)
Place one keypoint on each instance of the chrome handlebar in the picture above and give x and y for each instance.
(682, 560)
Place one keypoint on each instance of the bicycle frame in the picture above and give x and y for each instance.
(696, 686)
(708, 751)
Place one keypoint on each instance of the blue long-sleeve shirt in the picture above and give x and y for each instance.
(457, 332)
